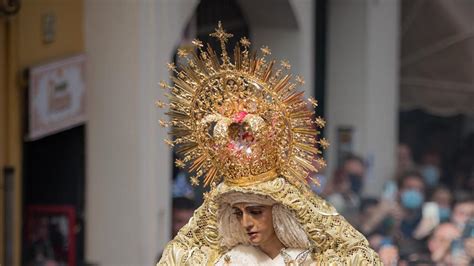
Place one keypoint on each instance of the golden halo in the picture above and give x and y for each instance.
(239, 119)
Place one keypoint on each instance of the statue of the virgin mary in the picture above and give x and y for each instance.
(241, 127)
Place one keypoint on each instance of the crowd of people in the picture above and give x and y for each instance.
(423, 217)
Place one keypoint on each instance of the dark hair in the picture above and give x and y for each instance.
(464, 199)
(182, 203)
(367, 203)
(441, 187)
(409, 174)
(353, 157)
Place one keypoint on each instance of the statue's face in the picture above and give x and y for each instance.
(257, 221)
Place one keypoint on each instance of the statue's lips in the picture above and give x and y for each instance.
(252, 235)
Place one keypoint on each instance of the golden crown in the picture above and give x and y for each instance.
(240, 120)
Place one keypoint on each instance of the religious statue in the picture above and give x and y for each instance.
(242, 128)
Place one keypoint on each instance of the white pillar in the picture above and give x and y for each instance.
(362, 90)
(305, 16)
(128, 166)
(292, 43)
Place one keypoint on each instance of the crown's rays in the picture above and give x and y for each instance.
(282, 84)
(199, 92)
(268, 72)
(211, 174)
(237, 58)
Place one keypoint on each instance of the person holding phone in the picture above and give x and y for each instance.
(446, 246)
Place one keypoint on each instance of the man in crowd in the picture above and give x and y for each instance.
(344, 192)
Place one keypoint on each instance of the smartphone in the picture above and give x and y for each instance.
(468, 229)
(431, 211)
(457, 249)
(390, 191)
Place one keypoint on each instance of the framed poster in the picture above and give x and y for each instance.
(56, 96)
(49, 236)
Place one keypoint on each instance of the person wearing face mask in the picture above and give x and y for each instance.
(411, 193)
(347, 186)
(430, 168)
(442, 196)
(401, 217)
(411, 199)
(431, 174)
(436, 211)
(354, 169)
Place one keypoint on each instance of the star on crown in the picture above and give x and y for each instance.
(265, 50)
(197, 43)
(182, 52)
(171, 66)
(300, 80)
(285, 64)
(245, 42)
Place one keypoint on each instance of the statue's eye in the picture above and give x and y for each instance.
(255, 212)
(238, 213)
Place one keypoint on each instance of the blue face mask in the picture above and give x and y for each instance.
(412, 199)
(444, 214)
(431, 175)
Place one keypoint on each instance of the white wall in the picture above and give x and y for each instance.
(128, 166)
(362, 82)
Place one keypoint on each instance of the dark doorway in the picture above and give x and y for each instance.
(54, 175)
